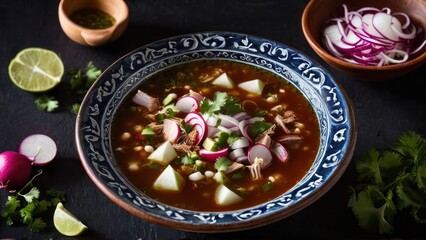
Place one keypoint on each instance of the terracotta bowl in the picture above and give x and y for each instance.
(93, 37)
(98, 110)
(317, 12)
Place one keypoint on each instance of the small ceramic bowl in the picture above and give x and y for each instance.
(317, 12)
(89, 36)
(329, 101)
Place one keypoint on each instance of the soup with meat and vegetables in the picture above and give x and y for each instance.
(215, 136)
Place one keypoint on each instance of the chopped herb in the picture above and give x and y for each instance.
(391, 181)
(222, 164)
(29, 208)
(46, 103)
(148, 131)
(81, 80)
(258, 128)
(237, 176)
(267, 186)
(189, 158)
(222, 103)
(75, 108)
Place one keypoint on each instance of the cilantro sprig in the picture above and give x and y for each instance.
(222, 103)
(80, 81)
(29, 208)
(391, 181)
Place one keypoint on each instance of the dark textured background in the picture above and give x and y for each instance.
(383, 111)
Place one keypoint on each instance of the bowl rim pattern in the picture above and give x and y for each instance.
(330, 102)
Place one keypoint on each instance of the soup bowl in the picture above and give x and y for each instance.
(332, 108)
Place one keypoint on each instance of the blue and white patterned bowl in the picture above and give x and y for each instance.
(331, 105)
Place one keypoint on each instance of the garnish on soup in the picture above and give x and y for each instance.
(215, 136)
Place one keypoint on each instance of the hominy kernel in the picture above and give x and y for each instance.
(281, 90)
(125, 136)
(197, 176)
(271, 179)
(187, 87)
(138, 128)
(209, 174)
(299, 125)
(271, 99)
(297, 131)
(149, 148)
(133, 166)
(138, 148)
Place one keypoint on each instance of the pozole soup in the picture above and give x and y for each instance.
(215, 136)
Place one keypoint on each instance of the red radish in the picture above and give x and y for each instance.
(260, 151)
(39, 148)
(15, 170)
(212, 156)
(171, 130)
(200, 125)
(187, 104)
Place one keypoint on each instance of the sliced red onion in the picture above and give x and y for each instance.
(241, 116)
(200, 125)
(213, 156)
(237, 153)
(228, 121)
(280, 152)
(240, 143)
(243, 125)
(372, 36)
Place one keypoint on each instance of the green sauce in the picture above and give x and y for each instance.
(92, 18)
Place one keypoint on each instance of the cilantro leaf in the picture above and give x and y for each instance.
(391, 180)
(33, 193)
(222, 103)
(37, 225)
(91, 73)
(258, 128)
(222, 164)
(46, 103)
(26, 213)
(374, 210)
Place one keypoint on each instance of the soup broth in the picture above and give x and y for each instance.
(296, 129)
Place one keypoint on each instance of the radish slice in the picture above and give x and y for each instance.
(171, 130)
(213, 156)
(200, 125)
(187, 104)
(39, 148)
(260, 151)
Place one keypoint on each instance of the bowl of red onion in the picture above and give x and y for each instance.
(369, 40)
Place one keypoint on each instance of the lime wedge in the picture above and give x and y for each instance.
(36, 69)
(66, 223)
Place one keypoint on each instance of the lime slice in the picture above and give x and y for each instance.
(66, 223)
(36, 69)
